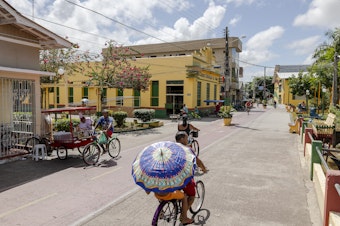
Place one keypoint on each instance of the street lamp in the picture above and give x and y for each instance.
(307, 94)
(61, 72)
(323, 98)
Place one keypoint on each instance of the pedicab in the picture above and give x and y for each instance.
(71, 138)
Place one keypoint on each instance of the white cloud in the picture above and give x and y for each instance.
(241, 2)
(235, 20)
(257, 48)
(305, 46)
(321, 13)
(184, 30)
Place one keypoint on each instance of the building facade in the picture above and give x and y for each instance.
(282, 73)
(20, 111)
(188, 72)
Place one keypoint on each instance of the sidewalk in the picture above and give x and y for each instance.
(257, 177)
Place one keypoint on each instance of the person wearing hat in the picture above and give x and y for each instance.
(85, 125)
(106, 123)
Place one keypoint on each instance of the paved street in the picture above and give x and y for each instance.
(256, 177)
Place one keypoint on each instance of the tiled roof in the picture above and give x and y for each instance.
(292, 68)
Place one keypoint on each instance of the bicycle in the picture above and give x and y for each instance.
(93, 150)
(167, 212)
(32, 141)
(248, 110)
(193, 142)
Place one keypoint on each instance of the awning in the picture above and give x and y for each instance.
(214, 101)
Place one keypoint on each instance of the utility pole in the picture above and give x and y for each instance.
(264, 84)
(227, 69)
(335, 81)
(254, 91)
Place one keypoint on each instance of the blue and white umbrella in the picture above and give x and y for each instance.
(164, 167)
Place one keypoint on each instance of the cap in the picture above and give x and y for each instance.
(105, 111)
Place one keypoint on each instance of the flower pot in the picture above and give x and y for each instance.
(227, 121)
(264, 106)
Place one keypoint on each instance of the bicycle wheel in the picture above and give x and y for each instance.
(114, 147)
(195, 147)
(30, 143)
(166, 213)
(62, 153)
(199, 197)
(91, 154)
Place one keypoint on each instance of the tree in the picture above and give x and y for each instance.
(326, 65)
(258, 85)
(300, 83)
(54, 59)
(115, 70)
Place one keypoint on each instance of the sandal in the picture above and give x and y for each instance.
(187, 223)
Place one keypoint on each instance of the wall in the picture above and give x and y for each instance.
(19, 56)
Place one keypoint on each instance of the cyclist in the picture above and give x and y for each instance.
(182, 137)
(248, 105)
(186, 127)
(106, 123)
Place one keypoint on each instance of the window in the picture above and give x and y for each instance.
(70, 95)
(136, 94)
(208, 92)
(199, 84)
(154, 93)
(120, 94)
(86, 92)
(215, 92)
(58, 97)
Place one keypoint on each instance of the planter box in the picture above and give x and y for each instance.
(227, 121)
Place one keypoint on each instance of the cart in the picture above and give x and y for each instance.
(61, 141)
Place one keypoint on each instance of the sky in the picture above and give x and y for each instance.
(274, 32)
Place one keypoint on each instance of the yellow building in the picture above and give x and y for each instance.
(176, 80)
(282, 73)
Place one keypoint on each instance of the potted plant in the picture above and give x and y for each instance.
(225, 113)
(264, 104)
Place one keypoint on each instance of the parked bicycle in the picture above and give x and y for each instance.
(36, 139)
(94, 150)
(167, 212)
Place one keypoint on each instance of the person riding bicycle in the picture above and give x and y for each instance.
(106, 123)
(186, 127)
(182, 138)
(248, 105)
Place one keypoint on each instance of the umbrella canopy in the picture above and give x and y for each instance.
(164, 167)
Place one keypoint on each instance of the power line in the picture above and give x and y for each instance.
(125, 25)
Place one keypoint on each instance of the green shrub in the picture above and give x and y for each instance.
(120, 117)
(64, 124)
(144, 114)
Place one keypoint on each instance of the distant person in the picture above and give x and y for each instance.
(217, 108)
(184, 110)
(302, 107)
